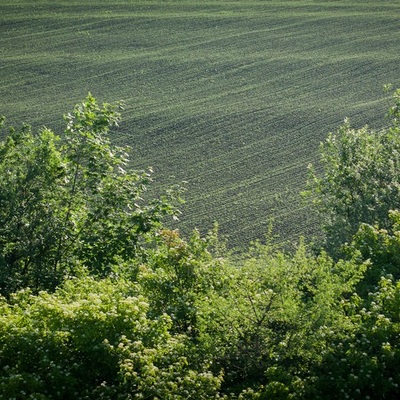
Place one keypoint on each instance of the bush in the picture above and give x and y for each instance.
(362, 360)
(91, 340)
(266, 326)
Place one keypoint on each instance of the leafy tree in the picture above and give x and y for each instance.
(359, 182)
(72, 200)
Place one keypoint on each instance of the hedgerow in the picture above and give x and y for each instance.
(101, 300)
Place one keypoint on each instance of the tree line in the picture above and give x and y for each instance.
(101, 299)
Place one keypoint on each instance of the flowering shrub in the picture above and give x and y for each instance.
(362, 359)
(91, 340)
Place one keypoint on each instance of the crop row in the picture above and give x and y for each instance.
(232, 97)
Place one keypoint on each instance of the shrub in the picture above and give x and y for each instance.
(91, 340)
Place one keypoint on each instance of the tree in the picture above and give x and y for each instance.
(71, 201)
(359, 182)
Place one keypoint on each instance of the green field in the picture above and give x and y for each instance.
(231, 96)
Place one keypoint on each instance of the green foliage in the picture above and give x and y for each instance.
(93, 340)
(71, 200)
(267, 327)
(178, 273)
(360, 180)
(171, 278)
(133, 310)
(362, 360)
(394, 111)
(382, 248)
(31, 172)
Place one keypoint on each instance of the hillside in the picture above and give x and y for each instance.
(232, 97)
